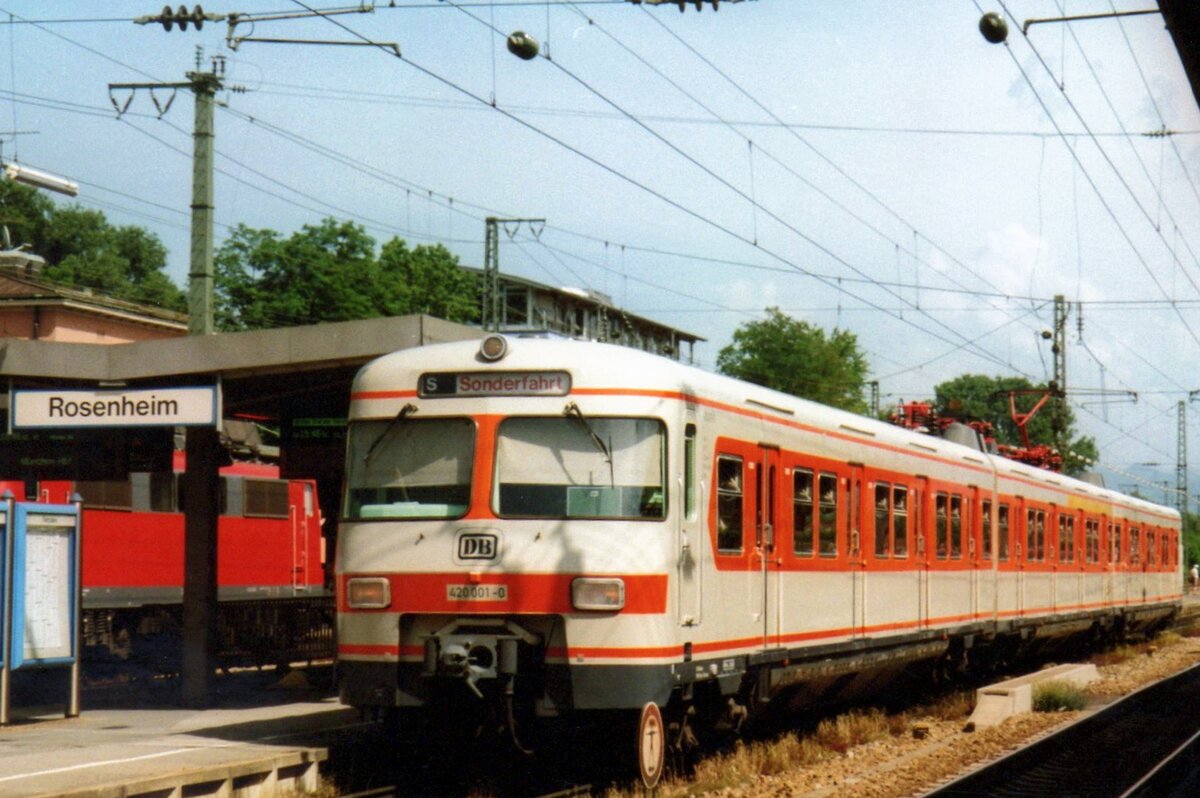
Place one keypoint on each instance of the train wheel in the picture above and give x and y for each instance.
(652, 745)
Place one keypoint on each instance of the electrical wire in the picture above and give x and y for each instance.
(692, 160)
(1091, 181)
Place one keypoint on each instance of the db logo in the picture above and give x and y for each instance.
(478, 546)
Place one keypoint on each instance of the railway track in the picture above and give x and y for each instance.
(1107, 754)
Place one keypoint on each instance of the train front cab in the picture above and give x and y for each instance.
(510, 557)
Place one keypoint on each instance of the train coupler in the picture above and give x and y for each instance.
(476, 649)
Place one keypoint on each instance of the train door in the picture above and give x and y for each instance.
(691, 544)
(766, 524)
(857, 559)
(922, 553)
(971, 529)
(1020, 521)
(1109, 553)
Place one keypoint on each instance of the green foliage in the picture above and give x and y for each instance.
(978, 396)
(798, 358)
(329, 272)
(82, 249)
(1191, 540)
(1054, 696)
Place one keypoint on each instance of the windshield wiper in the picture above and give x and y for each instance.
(404, 413)
(572, 411)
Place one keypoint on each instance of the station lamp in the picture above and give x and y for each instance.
(40, 179)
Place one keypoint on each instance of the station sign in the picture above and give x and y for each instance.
(495, 383)
(135, 407)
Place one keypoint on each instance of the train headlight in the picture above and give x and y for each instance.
(493, 348)
(598, 594)
(371, 593)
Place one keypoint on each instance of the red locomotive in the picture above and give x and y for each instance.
(274, 606)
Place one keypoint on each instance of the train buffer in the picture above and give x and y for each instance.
(260, 750)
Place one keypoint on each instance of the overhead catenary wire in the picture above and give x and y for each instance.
(823, 248)
(1141, 258)
(1154, 222)
(847, 279)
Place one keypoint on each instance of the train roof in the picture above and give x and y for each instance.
(592, 363)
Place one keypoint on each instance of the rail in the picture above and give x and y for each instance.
(1107, 753)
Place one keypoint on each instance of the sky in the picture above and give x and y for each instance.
(867, 165)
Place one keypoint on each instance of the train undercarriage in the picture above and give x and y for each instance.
(481, 678)
(252, 633)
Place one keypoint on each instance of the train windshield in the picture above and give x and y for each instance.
(574, 466)
(409, 468)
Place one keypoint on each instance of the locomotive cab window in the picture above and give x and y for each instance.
(581, 467)
(407, 467)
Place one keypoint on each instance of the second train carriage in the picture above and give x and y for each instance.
(538, 528)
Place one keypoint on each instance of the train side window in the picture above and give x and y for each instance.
(1151, 540)
(1003, 532)
(689, 472)
(828, 510)
(110, 494)
(1066, 539)
(956, 527)
(942, 524)
(1035, 545)
(1114, 535)
(883, 501)
(1135, 540)
(900, 521)
(729, 503)
(266, 498)
(986, 532)
(1093, 541)
(803, 515)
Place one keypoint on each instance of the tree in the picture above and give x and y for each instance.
(429, 281)
(798, 358)
(977, 396)
(82, 249)
(329, 272)
(1191, 539)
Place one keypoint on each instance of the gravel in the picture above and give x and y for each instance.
(903, 766)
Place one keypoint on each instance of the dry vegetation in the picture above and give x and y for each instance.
(872, 754)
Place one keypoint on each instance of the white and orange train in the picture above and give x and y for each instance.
(544, 528)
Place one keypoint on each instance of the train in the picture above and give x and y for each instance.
(536, 533)
(274, 605)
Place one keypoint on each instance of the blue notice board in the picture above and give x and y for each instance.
(45, 584)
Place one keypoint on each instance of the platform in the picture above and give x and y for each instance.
(262, 739)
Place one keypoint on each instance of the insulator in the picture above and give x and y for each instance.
(182, 17)
(522, 45)
(993, 27)
(168, 18)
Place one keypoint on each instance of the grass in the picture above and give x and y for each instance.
(833, 737)
(1055, 696)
